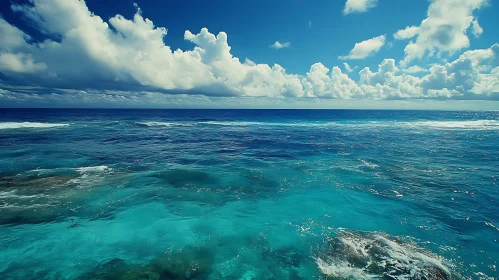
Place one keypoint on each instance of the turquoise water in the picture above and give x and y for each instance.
(248, 194)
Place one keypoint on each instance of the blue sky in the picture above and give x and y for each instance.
(310, 54)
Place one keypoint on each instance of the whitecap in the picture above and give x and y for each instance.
(90, 175)
(475, 124)
(369, 164)
(16, 125)
(247, 123)
(342, 270)
(156, 123)
(163, 124)
(365, 256)
(93, 169)
(420, 124)
(397, 193)
(491, 225)
(235, 123)
(24, 207)
(13, 194)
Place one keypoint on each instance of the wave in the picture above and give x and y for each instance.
(491, 225)
(366, 256)
(13, 194)
(90, 175)
(93, 169)
(442, 125)
(165, 124)
(245, 123)
(16, 125)
(236, 123)
(476, 124)
(85, 169)
(369, 164)
(469, 124)
(226, 123)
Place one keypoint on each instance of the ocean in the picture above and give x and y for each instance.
(248, 194)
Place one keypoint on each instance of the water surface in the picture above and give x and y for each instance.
(248, 194)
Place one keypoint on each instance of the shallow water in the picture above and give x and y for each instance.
(248, 194)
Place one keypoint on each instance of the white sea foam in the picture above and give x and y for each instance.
(236, 123)
(24, 206)
(245, 123)
(491, 225)
(90, 175)
(13, 194)
(363, 256)
(164, 124)
(458, 125)
(156, 123)
(15, 125)
(468, 124)
(93, 169)
(397, 193)
(342, 270)
(369, 164)
(476, 124)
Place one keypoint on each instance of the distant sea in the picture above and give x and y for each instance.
(248, 194)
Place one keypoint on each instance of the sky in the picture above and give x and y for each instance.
(418, 54)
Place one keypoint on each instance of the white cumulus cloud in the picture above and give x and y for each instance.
(122, 59)
(443, 30)
(365, 48)
(358, 6)
(415, 69)
(278, 45)
(476, 28)
(347, 67)
(407, 33)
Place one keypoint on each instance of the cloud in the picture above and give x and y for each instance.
(278, 45)
(470, 75)
(347, 67)
(126, 61)
(359, 6)
(365, 48)
(443, 30)
(415, 69)
(16, 37)
(14, 55)
(407, 33)
(476, 28)
(474, 75)
(130, 53)
(40, 98)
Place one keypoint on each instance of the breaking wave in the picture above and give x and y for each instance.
(441, 125)
(13, 194)
(366, 256)
(477, 124)
(90, 175)
(163, 124)
(93, 169)
(15, 125)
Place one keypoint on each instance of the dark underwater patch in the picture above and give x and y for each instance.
(30, 199)
(180, 178)
(182, 264)
(258, 181)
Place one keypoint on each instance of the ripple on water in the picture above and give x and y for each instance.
(180, 178)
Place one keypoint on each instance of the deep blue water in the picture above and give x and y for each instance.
(248, 194)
